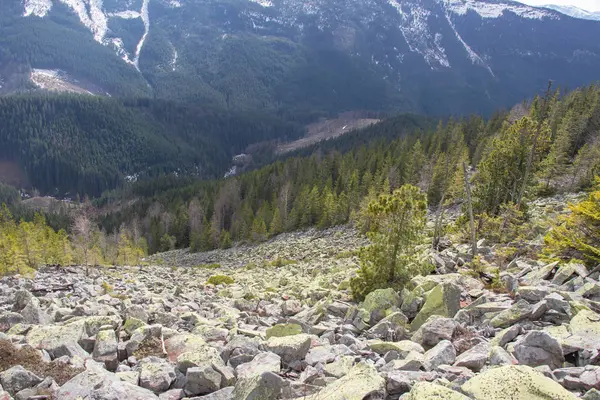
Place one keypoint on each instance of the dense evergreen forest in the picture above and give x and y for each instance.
(541, 147)
(86, 145)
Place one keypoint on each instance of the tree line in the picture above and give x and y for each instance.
(540, 147)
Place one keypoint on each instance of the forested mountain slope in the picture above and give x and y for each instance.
(85, 145)
(328, 186)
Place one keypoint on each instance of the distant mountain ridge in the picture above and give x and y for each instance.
(575, 12)
(297, 57)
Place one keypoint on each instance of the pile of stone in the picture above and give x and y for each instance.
(163, 333)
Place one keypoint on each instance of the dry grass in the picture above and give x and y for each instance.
(30, 359)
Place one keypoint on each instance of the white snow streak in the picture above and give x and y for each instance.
(129, 14)
(473, 56)
(415, 29)
(146, 20)
(264, 3)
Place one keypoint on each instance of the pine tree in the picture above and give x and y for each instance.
(276, 222)
(396, 227)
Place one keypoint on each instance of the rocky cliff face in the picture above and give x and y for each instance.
(450, 56)
(282, 326)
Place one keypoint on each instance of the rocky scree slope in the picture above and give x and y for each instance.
(333, 55)
(286, 328)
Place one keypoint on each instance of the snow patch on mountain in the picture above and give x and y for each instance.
(488, 9)
(91, 16)
(264, 3)
(128, 14)
(39, 8)
(473, 56)
(415, 29)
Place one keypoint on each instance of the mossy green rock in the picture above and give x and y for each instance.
(443, 300)
(379, 301)
(431, 391)
(266, 386)
(198, 357)
(514, 382)
(402, 347)
(131, 324)
(282, 330)
(361, 382)
(518, 312)
(53, 336)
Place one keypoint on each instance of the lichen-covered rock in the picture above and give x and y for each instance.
(281, 330)
(443, 300)
(403, 347)
(51, 337)
(378, 302)
(431, 391)
(361, 382)
(514, 382)
(82, 385)
(200, 355)
(585, 327)
(18, 378)
(393, 327)
(156, 374)
(518, 312)
(266, 386)
(105, 349)
(289, 348)
(132, 324)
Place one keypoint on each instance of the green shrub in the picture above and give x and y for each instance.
(220, 280)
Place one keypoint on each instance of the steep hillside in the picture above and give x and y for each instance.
(82, 144)
(430, 56)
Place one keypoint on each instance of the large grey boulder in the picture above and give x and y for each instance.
(539, 348)
(17, 378)
(290, 348)
(223, 394)
(118, 390)
(156, 374)
(266, 386)
(514, 382)
(105, 349)
(361, 382)
(443, 353)
(82, 385)
(202, 380)
(326, 354)
(443, 300)
(434, 330)
(378, 302)
(474, 358)
(262, 362)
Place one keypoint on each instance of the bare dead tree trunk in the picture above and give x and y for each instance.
(544, 110)
(470, 206)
